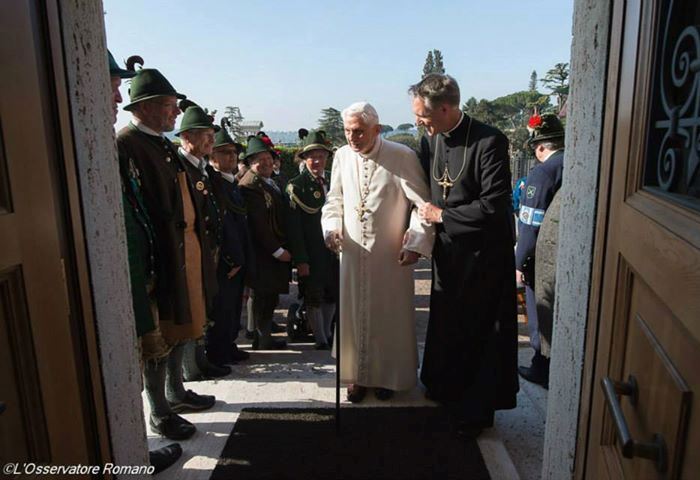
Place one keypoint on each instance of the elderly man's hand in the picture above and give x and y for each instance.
(407, 257)
(232, 273)
(303, 270)
(430, 213)
(334, 241)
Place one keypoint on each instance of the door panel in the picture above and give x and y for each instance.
(647, 361)
(47, 416)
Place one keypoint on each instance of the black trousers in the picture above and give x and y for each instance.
(226, 315)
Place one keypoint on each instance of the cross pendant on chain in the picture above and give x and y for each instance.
(361, 210)
(445, 183)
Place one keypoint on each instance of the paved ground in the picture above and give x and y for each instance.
(304, 377)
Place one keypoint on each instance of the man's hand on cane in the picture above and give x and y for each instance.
(334, 241)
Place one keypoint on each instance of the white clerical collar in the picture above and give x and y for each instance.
(139, 124)
(447, 133)
(193, 160)
(372, 154)
(228, 176)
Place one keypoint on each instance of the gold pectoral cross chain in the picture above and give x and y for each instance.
(445, 183)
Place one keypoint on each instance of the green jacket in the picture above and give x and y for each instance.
(306, 198)
(140, 243)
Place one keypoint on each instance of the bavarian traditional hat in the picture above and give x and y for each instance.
(147, 84)
(314, 140)
(194, 117)
(256, 145)
(222, 137)
(545, 127)
(115, 70)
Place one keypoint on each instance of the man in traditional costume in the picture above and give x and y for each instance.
(316, 265)
(470, 358)
(235, 256)
(167, 198)
(140, 248)
(371, 215)
(267, 211)
(196, 136)
(543, 182)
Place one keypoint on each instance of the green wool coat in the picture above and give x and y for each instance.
(140, 241)
(267, 213)
(306, 198)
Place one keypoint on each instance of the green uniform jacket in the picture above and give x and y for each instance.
(140, 241)
(267, 212)
(306, 198)
(158, 164)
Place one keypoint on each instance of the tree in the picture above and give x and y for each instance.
(509, 113)
(405, 126)
(533, 81)
(332, 122)
(386, 128)
(439, 67)
(557, 81)
(429, 65)
(433, 63)
(234, 116)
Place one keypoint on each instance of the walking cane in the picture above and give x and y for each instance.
(337, 372)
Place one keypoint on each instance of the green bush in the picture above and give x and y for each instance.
(406, 139)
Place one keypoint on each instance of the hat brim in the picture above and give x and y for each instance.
(122, 73)
(130, 106)
(544, 138)
(216, 128)
(315, 146)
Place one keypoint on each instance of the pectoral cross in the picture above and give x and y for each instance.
(361, 209)
(445, 183)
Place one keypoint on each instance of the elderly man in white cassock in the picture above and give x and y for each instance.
(371, 219)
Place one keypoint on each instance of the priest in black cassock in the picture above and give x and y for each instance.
(470, 358)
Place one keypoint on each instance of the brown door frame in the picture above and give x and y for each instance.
(75, 260)
(600, 239)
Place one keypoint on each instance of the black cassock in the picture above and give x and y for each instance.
(470, 359)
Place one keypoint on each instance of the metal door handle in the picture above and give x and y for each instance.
(654, 450)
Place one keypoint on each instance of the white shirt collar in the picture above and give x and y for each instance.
(192, 159)
(550, 154)
(228, 176)
(447, 133)
(139, 124)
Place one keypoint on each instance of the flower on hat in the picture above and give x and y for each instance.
(534, 123)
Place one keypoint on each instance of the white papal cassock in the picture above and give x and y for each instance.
(378, 331)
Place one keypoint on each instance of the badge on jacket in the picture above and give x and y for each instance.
(200, 185)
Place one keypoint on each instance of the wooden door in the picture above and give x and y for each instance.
(645, 411)
(47, 414)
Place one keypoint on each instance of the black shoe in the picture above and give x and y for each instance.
(468, 431)
(238, 355)
(193, 402)
(272, 344)
(215, 371)
(172, 426)
(277, 328)
(356, 393)
(383, 394)
(162, 458)
(535, 375)
(322, 346)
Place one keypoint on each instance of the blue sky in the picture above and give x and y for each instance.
(283, 61)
